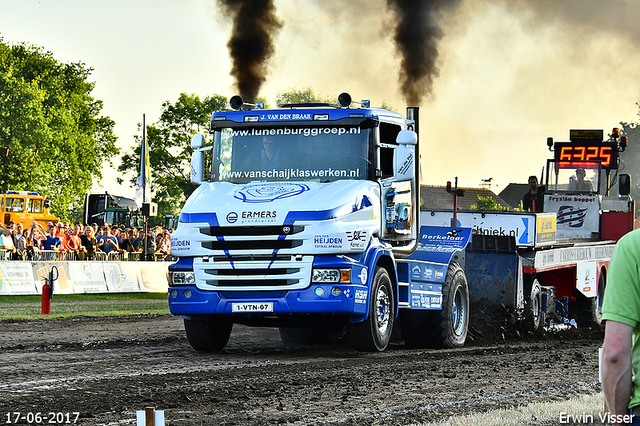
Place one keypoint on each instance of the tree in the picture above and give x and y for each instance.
(308, 96)
(52, 137)
(630, 158)
(170, 150)
(302, 96)
(487, 204)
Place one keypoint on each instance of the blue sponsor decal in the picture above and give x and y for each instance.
(232, 217)
(571, 216)
(268, 192)
(364, 203)
(524, 238)
(439, 244)
(180, 245)
(209, 218)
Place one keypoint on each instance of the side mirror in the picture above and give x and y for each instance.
(404, 163)
(404, 156)
(407, 137)
(197, 167)
(197, 141)
(624, 184)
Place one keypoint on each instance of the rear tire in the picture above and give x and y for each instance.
(374, 333)
(208, 335)
(446, 328)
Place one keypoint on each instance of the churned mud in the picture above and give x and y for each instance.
(106, 369)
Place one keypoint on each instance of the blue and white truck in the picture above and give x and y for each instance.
(307, 218)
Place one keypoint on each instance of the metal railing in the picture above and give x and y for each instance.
(114, 256)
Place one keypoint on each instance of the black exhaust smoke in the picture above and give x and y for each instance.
(255, 25)
(416, 37)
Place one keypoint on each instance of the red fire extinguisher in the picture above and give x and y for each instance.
(47, 290)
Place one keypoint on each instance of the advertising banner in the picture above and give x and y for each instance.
(528, 229)
(578, 215)
(17, 278)
(77, 277)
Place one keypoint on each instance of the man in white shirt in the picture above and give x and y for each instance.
(6, 242)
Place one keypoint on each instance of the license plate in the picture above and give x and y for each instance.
(252, 307)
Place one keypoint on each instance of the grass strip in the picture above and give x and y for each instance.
(69, 305)
(585, 409)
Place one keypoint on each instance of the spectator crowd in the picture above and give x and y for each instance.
(84, 242)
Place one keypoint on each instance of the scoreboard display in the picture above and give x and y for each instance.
(586, 150)
(573, 155)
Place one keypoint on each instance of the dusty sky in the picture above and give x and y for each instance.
(511, 72)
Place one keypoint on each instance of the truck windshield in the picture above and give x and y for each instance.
(321, 154)
(582, 178)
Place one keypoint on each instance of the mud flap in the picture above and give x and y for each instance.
(492, 273)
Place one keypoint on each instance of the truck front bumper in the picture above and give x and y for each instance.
(318, 298)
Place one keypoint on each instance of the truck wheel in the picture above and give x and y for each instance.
(446, 328)
(374, 333)
(587, 311)
(533, 307)
(208, 335)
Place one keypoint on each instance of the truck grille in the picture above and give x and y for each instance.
(246, 273)
(249, 231)
(246, 258)
(244, 237)
(252, 245)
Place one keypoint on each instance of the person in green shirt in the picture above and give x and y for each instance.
(621, 349)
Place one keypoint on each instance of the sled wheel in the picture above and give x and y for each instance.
(533, 307)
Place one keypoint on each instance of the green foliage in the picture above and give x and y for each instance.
(630, 158)
(386, 105)
(170, 150)
(52, 137)
(302, 96)
(308, 96)
(488, 204)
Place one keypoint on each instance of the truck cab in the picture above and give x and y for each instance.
(25, 207)
(299, 217)
(111, 209)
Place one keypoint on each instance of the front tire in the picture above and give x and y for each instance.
(208, 335)
(374, 333)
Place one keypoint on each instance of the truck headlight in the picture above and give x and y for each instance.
(342, 275)
(183, 278)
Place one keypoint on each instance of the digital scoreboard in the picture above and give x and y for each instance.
(586, 150)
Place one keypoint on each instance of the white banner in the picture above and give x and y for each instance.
(22, 278)
(17, 278)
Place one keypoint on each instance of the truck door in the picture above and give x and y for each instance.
(398, 186)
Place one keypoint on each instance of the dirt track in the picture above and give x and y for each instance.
(108, 368)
